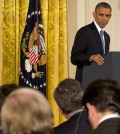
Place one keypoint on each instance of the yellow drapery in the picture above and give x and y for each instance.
(9, 41)
(12, 22)
(57, 63)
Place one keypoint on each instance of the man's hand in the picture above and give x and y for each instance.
(97, 58)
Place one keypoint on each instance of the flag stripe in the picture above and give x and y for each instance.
(33, 58)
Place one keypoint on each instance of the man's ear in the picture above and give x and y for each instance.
(94, 14)
(93, 115)
(91, 110)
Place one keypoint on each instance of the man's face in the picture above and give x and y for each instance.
(102, 16)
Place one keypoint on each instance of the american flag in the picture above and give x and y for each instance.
(33, 54)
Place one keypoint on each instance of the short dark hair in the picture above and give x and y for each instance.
(103, 4)
(68, 95)
(5, 90)
(104, 95)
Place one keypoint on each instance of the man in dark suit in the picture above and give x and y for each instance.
(102, 100)
(68, 96)
(91, 41)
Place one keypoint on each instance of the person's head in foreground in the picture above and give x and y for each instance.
(102, 100)
(26, 111)
(68, 95)
(5, 90)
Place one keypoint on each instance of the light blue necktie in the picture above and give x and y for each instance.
(102, 39)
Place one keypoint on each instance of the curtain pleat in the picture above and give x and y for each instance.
(54, 14)
(9, 40)
(63, 48)
(1, 39)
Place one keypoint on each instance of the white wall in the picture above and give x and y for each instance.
(79, 13)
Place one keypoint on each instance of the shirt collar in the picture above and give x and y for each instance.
(109, 116)
(97, 26)
(75, 112)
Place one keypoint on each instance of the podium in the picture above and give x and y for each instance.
(110, 69)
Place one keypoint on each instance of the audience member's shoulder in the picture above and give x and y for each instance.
(60, 126)
(90, 132)
(1, 132)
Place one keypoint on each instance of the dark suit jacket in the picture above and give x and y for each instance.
(77, 122)
(1, 132)
(86, 43)
(109, 126)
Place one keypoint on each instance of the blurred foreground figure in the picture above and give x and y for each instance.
(26, 111)
(102, 100)
(68, 96)
(5, 90)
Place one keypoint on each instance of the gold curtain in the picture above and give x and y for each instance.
(12, 21)
(54, 18)
(9, 42)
